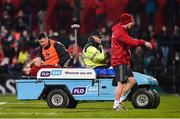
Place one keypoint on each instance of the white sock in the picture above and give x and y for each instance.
(122, 99)
(116, 103)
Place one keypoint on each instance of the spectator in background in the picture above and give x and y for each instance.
(164, 34)
(43, 5)
(108, 27)
(172, 12)
(3, 32)
(150, 54)
(1, 54)
(5, 61)
(150, 9)
(100, 11)
(136, 31)
(64, 13)
(157, 65)
(54, 36)
(135, 7)
(138, 60)
(23, 42)
(76, 6)
(106, 43)
(8, 6)
(171, 61)
(155, 53)
(9, 45)
(7, 21)
(23, 56)
(150, 33)
(176, 33)
(26, 6)
(20, 21)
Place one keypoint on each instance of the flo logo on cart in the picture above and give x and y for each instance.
(45, 74)
(56, 72)
(79, 91)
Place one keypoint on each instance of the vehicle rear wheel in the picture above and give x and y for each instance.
(57, 98)
(156, 97)
(142, 98)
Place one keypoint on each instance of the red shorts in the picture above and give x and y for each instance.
(35, 69)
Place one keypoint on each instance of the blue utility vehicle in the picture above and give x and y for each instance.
(64, 87)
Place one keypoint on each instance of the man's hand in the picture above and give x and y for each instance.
(148, 45)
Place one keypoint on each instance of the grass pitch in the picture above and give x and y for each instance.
(10, 107)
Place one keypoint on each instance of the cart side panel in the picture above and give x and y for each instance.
(29, 89)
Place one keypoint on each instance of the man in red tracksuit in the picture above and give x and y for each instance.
(121, 56)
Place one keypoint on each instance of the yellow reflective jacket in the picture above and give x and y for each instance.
(93, 56)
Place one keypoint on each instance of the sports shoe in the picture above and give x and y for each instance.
(122, 106)
(116, 108)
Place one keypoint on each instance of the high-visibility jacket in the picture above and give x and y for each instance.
(55, 53)
(93, 56)
(50, 55)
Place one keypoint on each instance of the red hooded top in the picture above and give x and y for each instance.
(121, 43)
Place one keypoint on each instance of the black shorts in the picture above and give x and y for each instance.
(123, 71)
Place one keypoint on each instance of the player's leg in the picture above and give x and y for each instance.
(129, 84)
(118, 91)
(37, 61)
(27, 68)
(119, 78)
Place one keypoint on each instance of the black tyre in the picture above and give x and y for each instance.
(156, 99)
(57, 98)
(72, 103)
(142, 98)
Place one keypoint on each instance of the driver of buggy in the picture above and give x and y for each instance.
(93, 54)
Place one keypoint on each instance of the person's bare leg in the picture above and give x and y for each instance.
(118, 92)
(27, 68)
(130, 83)
(37, 61)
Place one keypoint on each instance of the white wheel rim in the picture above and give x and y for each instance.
(57, 99)
(142, 99)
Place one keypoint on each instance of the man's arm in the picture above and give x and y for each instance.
(63, 53)
(125, 38)
(40, 54)
(131, 41)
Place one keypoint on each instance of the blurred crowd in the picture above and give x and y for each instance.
(18, 38)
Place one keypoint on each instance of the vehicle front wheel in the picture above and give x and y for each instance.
(142, 98)
(57, 98)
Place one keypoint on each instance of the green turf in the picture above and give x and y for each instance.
(168, 108)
